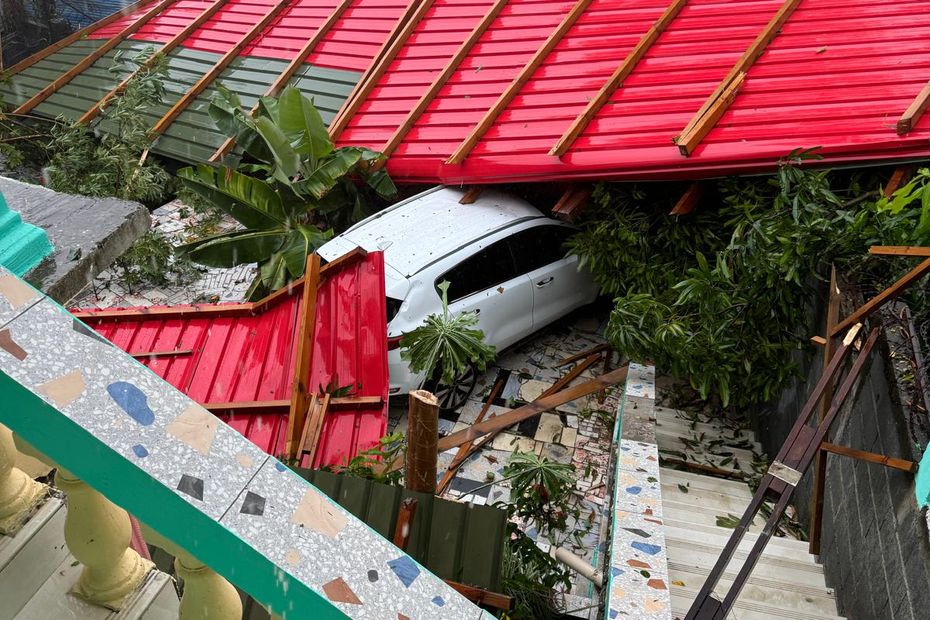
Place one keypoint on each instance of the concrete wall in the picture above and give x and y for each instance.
(875, 549)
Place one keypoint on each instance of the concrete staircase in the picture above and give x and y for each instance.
(787, 581)
(37, 572)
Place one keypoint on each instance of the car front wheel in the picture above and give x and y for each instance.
(453, 396)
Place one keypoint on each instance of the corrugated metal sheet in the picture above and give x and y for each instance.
(249, 359)
(21, 86)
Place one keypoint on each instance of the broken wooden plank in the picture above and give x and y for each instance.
(898, 178)
(313, 428)
(870, 457)
(899, 250)
(348, 402)
(252, 407)
(482, 597)
(296, 63)
(703, 121)
(167, 353)
(914, 111)
(165, 49)
(299, 387)
(532, 409)
(818, 340)
(571, 375)
(689, 200)
(471, 195)
(90, 59)
(440, 80)
(386, 55)
(885, 296)
(571, 359)
(462, 151)
(405, 513)
(615, 81)
(206, 79)
(572, 202)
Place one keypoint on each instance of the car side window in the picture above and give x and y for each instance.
(539, 246)
(486, 268)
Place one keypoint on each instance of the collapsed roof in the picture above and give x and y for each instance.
(461, 91)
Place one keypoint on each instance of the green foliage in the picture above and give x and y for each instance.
(289, 193)
(151, 260)
(722, 297)
(529, 576)
(116, 163)
(446, 342)
(377, 463)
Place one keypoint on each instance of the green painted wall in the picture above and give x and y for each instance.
(22, 245)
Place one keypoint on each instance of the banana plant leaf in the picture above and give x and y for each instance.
(251, 202)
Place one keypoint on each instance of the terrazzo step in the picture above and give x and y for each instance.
(30, 557)
(697, 482)
(770, 566)
(743, 610)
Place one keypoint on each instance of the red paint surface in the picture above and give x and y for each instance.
(250, 359)
(351, 44)
(837, 76)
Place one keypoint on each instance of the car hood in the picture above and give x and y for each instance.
(395, 284)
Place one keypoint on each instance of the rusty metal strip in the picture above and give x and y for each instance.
(472, 139)
(74, 36)
(615, 81)
(165, 49)
(285, 76)
(91, 58)
(718, 102)
(194, 91)
(386, 55)
(440, 80)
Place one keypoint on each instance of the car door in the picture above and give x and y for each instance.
(487, 282)
(558, 286)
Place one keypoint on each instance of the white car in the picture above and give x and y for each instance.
(503, 259)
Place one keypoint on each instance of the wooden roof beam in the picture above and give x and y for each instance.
(91, 58)
(518, 82)
(165, 49)
(713, 108)
(572, 203)
(914, 111)
(440, 80)
(899, 177)
(194, 91)
(615, 81)
(74, 36)
(689, 200)
(285, 76)
(386, 55)
(900, 250)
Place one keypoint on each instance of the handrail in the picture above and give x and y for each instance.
(152, 451)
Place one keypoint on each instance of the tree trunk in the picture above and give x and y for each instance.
(422, 437)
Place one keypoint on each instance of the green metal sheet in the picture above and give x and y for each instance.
(21, 86)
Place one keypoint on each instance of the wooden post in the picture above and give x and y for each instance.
(422, 437)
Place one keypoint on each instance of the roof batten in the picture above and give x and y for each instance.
(709, 113)
(914, 111)
(91, 58)
(616, 79)
(194, 91)
(176, 40)
(518, 82)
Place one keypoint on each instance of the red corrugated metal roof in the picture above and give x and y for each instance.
(250, 358)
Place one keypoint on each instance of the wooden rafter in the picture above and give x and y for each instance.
(194, 91)
(914, 111)
(386, 55)
(887, 295)
(899, 250)
(898, 178)
(293, 66)
(870, 457)
(615, 81)
(462, 151)
(74, 36)
(471, 195)
(572, 203)
(164, 50)
(91, 58)
(300, 393)
(440, 80)
(689, 200)
(718, 102)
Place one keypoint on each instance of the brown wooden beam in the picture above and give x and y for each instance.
(572, 203)
(254, 408)
(471, 195)
(405, 514)
(532, 409)
(571, 359)
(171, 353)
(313, 423)
(482, 597)
(899, 250)
(615, 81)
(74, 36)
(172, 43)
(518, 82)
(689, 200)
(440, 80)
(898, 178)
(194, 91)
(718, 102)
(300, 391)
(91, 58)
(387, 54)
(870, 457)
(285, 76)
(914, 111)
(887, 295)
